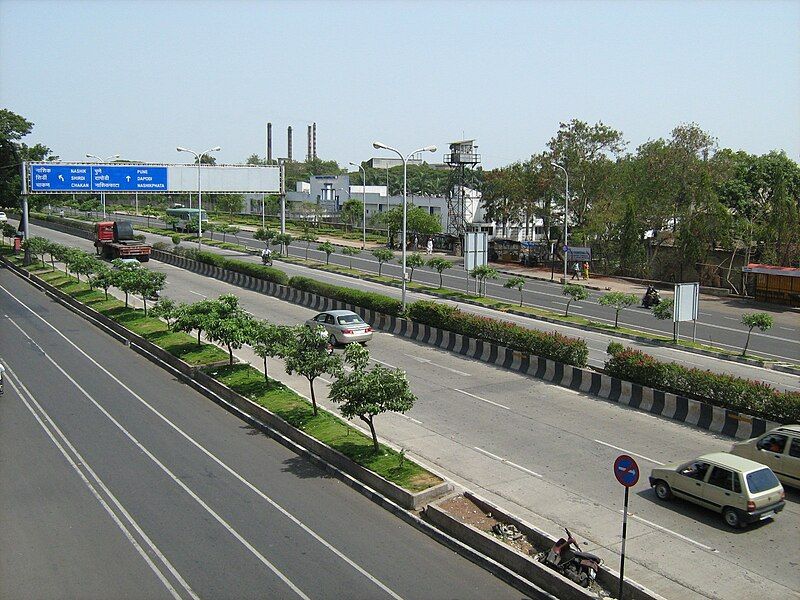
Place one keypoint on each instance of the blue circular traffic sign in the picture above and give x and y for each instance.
(566, 248)
(626, 470)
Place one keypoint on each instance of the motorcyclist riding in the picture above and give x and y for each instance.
(266, 256)
(651, 297)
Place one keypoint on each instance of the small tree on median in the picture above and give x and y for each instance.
(575, 293)
(264, 234)
(228, 324)
(126, 278)
(350, 252)
(618, 301)
(166, 308)
(328, 249)
(413, 260)
(307, 354)
(440, 264)
(763, 321)
(8, 231)
(37, 245)
(481, 273)
(383, 255)
(516, 282)
(284, 240)
(192, 317)
(150, 283)
(366, 393)
(102, 278)
(663, 311)
(308, 237)
(269, 340)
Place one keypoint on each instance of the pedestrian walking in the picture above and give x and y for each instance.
(586, 270)
(429, 248)
(416, 243)
(576, 271)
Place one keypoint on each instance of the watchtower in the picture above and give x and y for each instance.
(462, 155)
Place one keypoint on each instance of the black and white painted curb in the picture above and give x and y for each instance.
(646, 399)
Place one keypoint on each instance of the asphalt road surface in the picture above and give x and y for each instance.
(596, 342)
(719, 322)
(121, 482)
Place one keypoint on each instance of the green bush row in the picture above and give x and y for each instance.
(727, 391)
(238, 266)
(572, 351)
(86, 226)
(368, 300)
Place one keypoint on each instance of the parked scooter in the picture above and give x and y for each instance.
(651, 297)
(580, 567)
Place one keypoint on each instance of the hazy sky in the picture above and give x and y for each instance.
(141, 77)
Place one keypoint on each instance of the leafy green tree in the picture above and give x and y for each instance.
(328, 249)
(165, 308)
(149, 284)
(170, 222)
(13, 128)
(366, 393)
(270, 340)
(617, 301)
(284, 240)
(383, 255)
(308, 237)
(102, 277)
(575, 293)
(8, 231)
(516, 282)
(264, 234)
(663, 311)
(193, 317)
(234, 231)
(307, 354)
(352, 212)
(176, 240)
(82, 263)
(225, 230)
(413, 260)
(230, 203)
(126, 278)
(350, 252)
(440, 264)
(482, 273)
(418, 220)
(149, 212)
(763, 321)
(36, 245)
(229, 324)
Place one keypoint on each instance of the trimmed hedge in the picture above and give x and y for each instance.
(84, 225)
(555, 346)
(727, 391)
(368, 300)
(239, 266)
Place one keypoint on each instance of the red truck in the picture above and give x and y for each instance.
(114, 239)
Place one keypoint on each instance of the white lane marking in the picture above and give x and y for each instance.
(731, 318)
(571, 391)
(198, 294)
(642, 456)
(218, 461)
(482, 399)
(433, 364)
(786, 328)
(675, 533)
(385, 364)
(263, 559)
(508, 462)
(407, 417)
(82, 461)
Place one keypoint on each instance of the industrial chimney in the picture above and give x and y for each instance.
(289, 135)
(314, 141)
(269, 143)
(309, 154)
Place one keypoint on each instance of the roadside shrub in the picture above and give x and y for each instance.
(727, 391)
(239, 266)
(614, 348)
(56, 219)
(555, 346)
(369, 300)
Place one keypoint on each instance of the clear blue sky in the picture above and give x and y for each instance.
(141, 77)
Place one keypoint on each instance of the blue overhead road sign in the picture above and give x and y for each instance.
(129, 179)
(61, 178)
(98, 178)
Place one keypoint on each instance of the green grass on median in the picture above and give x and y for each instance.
(325, 427)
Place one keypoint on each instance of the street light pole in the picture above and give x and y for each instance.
(566, 215)
(405, 159)
(364, 206)
(199, 190)
(103, 194)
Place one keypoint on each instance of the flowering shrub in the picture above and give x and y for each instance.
(727, 391)
(369, 300)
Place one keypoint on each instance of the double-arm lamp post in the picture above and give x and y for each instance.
(103, 160)
(405, 159)
(566, 216)
(199, 193)
(364, 202)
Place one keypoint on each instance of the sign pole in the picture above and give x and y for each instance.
(624, 536)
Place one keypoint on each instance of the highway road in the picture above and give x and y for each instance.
(719, 322)
(121, 482)
(545, 453)
(597, 342)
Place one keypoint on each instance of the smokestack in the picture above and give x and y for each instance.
(269, 143)
(289, 135)
(314, 141)
(309, 155)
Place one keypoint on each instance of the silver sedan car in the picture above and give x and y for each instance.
(343, 326)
